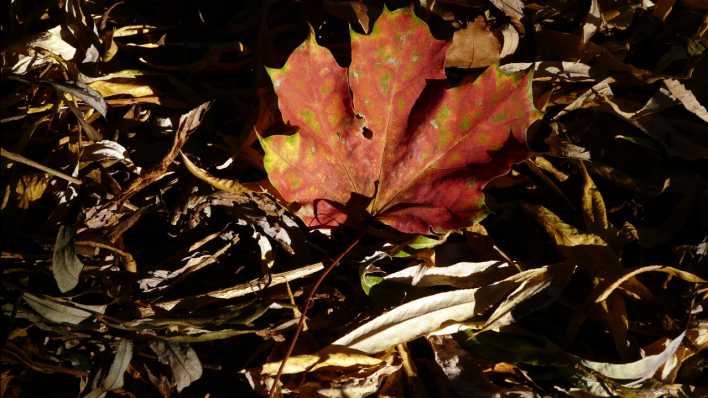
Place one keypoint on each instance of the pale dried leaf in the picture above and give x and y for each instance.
(510, 39)
(428, 314)
(125, 82)
(532, 282)
(686, 97)
(553, 70)
(330, 357)
(49, 40)
(66, 266)
(114, 378)
(109, 152)
(593, 21)
(462, 275)
(591, 97)
(61, 310)
(636, 372)
(182, 359)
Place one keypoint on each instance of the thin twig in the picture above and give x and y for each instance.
(303, 313)
(29, 162)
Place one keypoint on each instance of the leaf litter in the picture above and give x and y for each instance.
(457, 198)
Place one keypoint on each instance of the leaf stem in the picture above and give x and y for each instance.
(303, 313)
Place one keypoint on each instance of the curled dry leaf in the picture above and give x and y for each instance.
(50, 41)
(426, 315)
(333, 372)
(462, 275)
(66, 265)
(84, 93)
(108, 152)
(510, 39)
(636, 372)
(114, 378)
(382, 130)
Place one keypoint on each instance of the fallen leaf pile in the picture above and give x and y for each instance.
(509, 195)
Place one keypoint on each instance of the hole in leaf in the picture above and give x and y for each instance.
(368, 134)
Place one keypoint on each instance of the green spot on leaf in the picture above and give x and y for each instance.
(385, 80)
(499, 117)
(308, 116)
(466, 123)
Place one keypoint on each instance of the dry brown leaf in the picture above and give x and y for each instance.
(463, 275)
(426, 315)
(593, 205)
(474, 46)
(589, 251)
(339, 357)
(637, 371)
(125, 82)
(30, 188)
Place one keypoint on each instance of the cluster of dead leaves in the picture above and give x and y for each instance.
(145, 252)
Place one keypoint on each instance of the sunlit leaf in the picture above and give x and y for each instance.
(66, 266)
(636, 372)
(62, 310)
(331, 357)
(182, 359)
(381, 129)
(428, 314)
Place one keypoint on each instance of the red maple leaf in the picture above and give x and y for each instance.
(389, 129)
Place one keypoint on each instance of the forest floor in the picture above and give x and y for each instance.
(147, 250)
